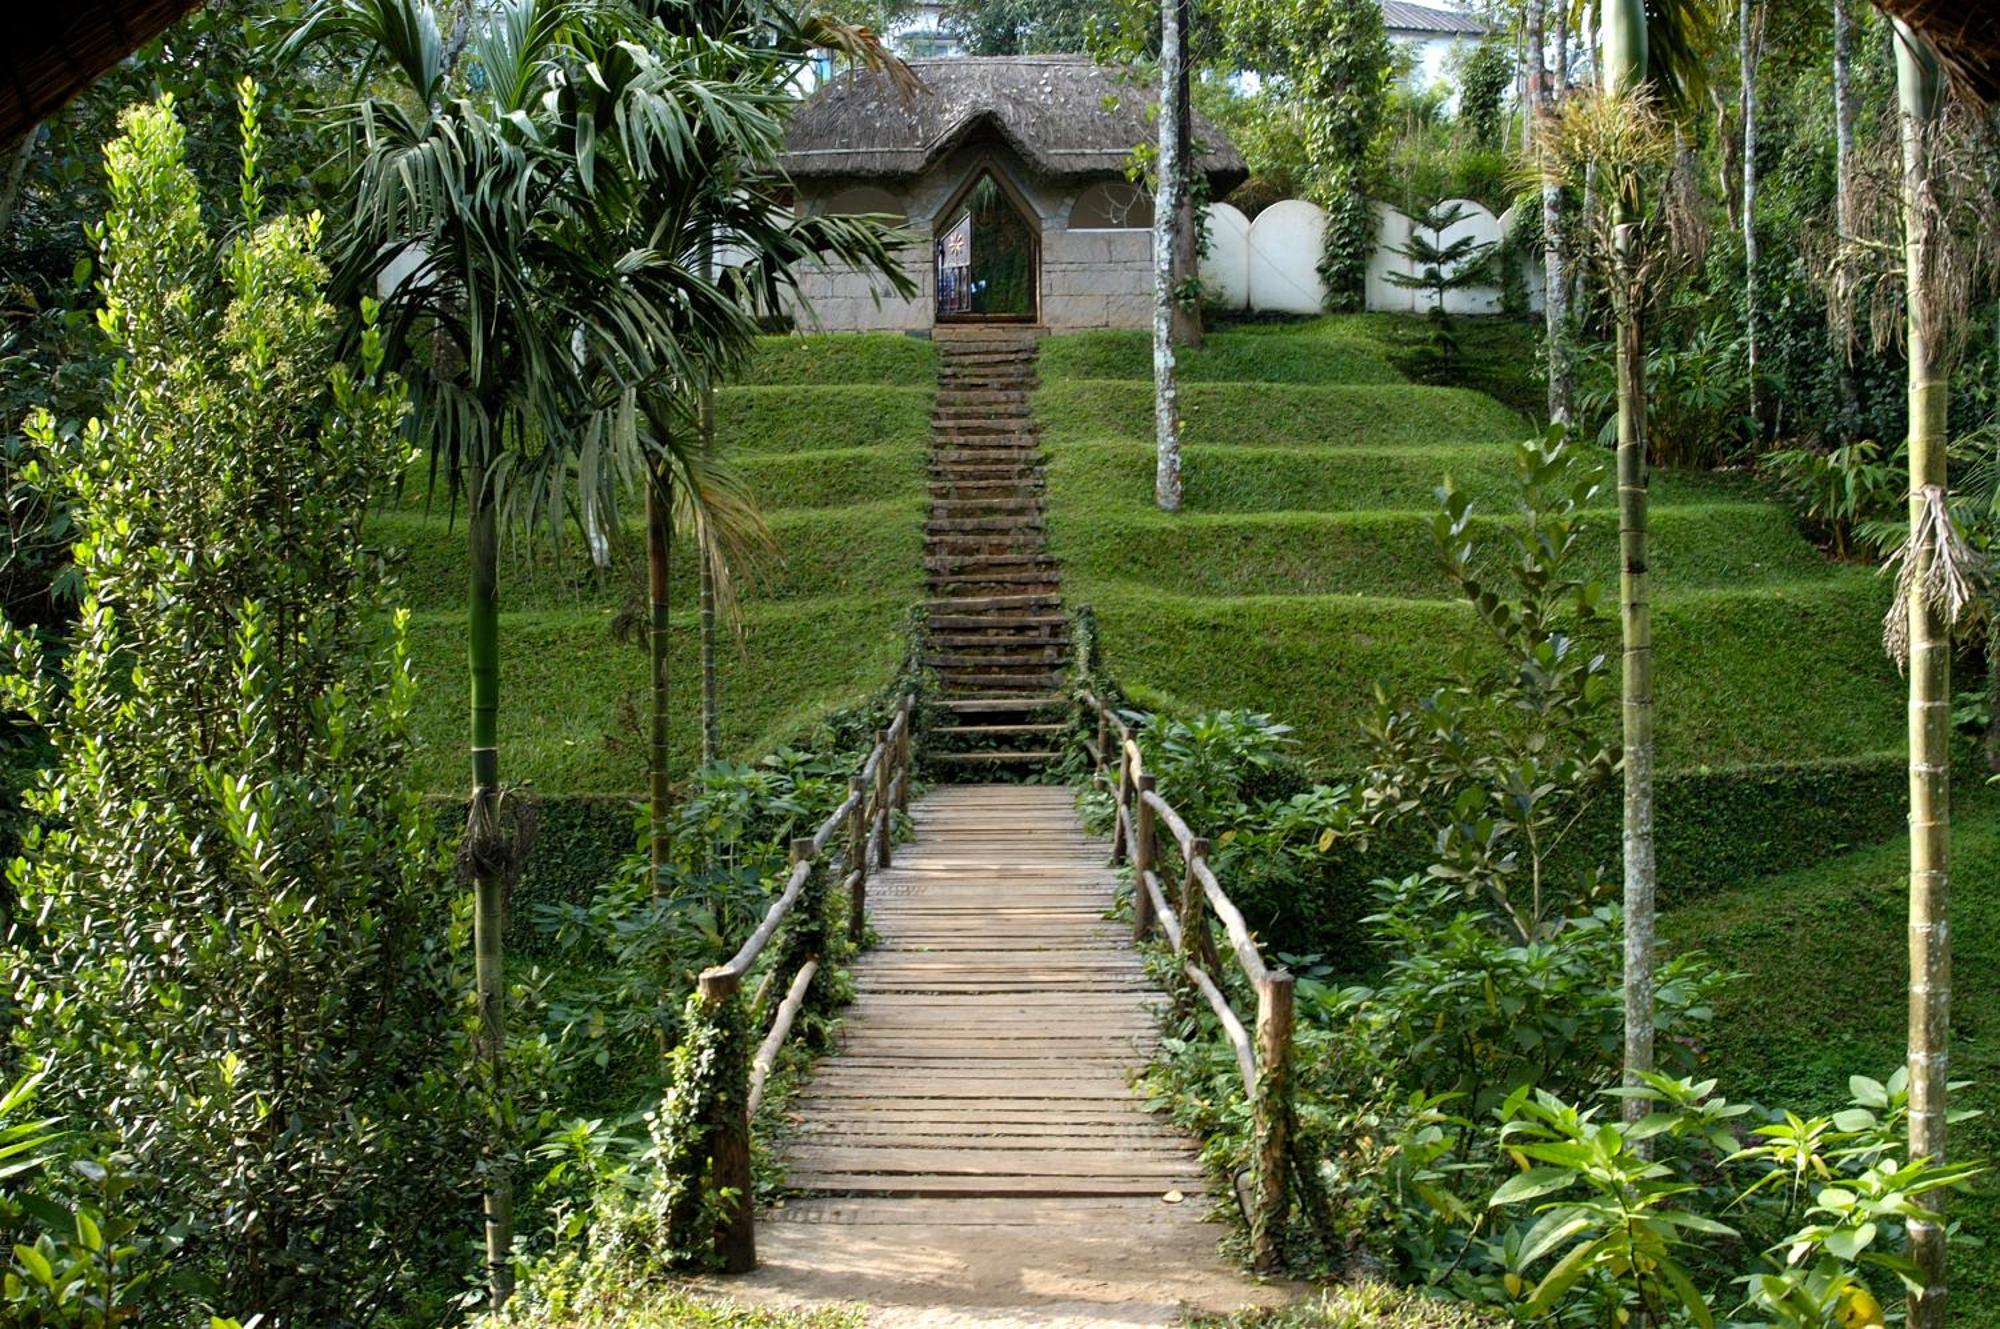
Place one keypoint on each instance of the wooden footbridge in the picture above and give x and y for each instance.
(976, 1139)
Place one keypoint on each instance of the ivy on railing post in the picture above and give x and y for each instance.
(727, 1128)
(1125, 797)
(1104, 760)
(1271, 1119)
(1142, 853)
(1197, 937)
(883, 821)
(809, 931)
(903, 759)
(857, 861)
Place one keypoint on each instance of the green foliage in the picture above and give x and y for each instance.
(1332, 59)
(1631, 1217)
(1782, 1027)
(1839, 489)
(1501, 763)
(1018, 27)
(75, 1262)
(1442, 268)
(240, 967)
(1484, 76)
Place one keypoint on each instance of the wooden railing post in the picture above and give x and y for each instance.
(1271, 1119)
(729, 1142)
(857, 860)
(1125, 797)
(882, 818)
(1141, 824)
(1194, 918)
(1104, 758)
(903, 760)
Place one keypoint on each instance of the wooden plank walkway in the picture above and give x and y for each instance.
(974, 1153)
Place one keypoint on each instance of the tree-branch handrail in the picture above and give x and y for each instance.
(867, 814)
(1264, 1061)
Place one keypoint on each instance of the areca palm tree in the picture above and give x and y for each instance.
(529, 213)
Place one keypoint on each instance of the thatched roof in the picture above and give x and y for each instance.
(1966, 34)
(57, 48)
(1067, 117)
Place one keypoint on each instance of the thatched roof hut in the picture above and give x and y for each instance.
(1066, 117)
(1966, 34)
(57, 48)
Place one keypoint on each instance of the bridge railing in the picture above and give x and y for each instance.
(1180, 912)
(864, 827)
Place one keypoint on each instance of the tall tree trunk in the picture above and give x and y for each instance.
(1555, 255)
(1625, 75)
(1751, 21)
(711, 689)
(18, 156)
(1166, 225)
(487, 853)
(1187, 237)
(1843, 190)
(1920, 93)
(659, 545)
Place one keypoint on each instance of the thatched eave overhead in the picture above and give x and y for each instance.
(57, 48)
(1067, 117)
(1966, 34)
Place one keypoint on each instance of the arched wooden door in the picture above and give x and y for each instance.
(988, 254)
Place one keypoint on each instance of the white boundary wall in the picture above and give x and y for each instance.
(1271, 264)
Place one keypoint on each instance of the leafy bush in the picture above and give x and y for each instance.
(241, 967)
(1837, 490)
(1681, 1214)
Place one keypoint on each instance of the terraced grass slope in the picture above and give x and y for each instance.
(1301, 570)
(1787, 1034)
(831, 434)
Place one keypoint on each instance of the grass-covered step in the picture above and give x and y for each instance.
(871, 547)
(1260, 479)
(574, 697)
(845, 357)
(1731, 688)
(1231, 356)
(755, 420)
(1394, 553)
(1301, 415)
(832, 477)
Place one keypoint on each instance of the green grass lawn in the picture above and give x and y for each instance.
(1301, 568)
(1821, 997)
(829, 433)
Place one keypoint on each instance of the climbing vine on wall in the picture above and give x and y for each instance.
(1335, 56)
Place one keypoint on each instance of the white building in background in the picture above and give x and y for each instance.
(1433, 33)
(921, 35)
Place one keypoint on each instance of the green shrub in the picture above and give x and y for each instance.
(241, 968)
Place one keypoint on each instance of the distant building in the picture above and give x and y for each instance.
(1432, 33)
(921, 35)
(1011, 170)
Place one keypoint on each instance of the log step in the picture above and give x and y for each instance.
(945, 621)
(989, 603)
(1001, 705)
(998, 730)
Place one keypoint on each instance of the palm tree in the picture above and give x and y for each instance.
(524, 215)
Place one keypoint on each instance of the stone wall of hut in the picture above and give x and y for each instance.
(1090, 278)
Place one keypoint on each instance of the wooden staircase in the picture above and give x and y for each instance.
(998, 637)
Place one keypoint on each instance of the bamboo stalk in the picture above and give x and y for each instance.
(1920, 97)
(1624, 75)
